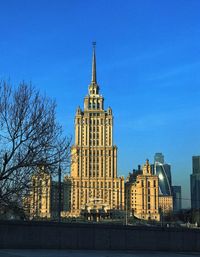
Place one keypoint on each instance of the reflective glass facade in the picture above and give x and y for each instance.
(164, 182)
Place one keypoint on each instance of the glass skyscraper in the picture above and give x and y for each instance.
(195, 183)
(159, 157)
(163, 171)
(164, 182)
(177, 204)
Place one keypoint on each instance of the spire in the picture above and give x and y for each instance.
(93, 87)
(94, 75)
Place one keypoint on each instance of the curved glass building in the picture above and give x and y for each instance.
(164, 180)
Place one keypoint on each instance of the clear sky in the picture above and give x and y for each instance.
(148, 69)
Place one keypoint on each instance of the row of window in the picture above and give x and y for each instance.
(86, 184)
(95, 153)
(94, 137)
(95, 164)
(148, 183)
(94, 121)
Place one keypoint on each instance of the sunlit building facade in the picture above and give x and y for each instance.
(44, 196)
(165, 204)
(94, 156)
(142, 194)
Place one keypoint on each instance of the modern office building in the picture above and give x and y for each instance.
(163, 171)
(142, 193)
(167, 168)
(164, 182)
(177, 198)
(195, 164)
(159, 157)
(195, 183)
(96, 188)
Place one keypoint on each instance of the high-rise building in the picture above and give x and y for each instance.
(195, 183)
(163, 171)
(195, 164)
(159, 157)
(177, 199)
(94, 156)
(164, 183)
(160, 160)
(142, 193)
(167, 168)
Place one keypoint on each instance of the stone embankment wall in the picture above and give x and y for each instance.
(49, 235)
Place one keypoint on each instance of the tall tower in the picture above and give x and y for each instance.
(159, 157)
(163, 170)
(195, 183)
(94, 157)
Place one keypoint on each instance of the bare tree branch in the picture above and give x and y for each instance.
(29, 137)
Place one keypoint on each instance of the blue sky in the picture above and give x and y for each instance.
(148, 63)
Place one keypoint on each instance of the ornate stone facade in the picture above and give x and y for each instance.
(44, 196)
(94, 156)
(142, 194)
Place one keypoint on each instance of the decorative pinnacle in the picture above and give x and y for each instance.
(94, 76)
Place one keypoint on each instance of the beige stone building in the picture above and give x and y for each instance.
(166, 204)
(94, 156)
(142, 194)
(44, 196)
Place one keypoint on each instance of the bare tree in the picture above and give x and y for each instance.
(29, 137)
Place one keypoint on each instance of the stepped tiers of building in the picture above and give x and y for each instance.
(93, 189)
(94, 156)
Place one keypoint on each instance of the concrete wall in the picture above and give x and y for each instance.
(49, 235)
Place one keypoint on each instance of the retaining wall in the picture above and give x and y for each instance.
(50, 235)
